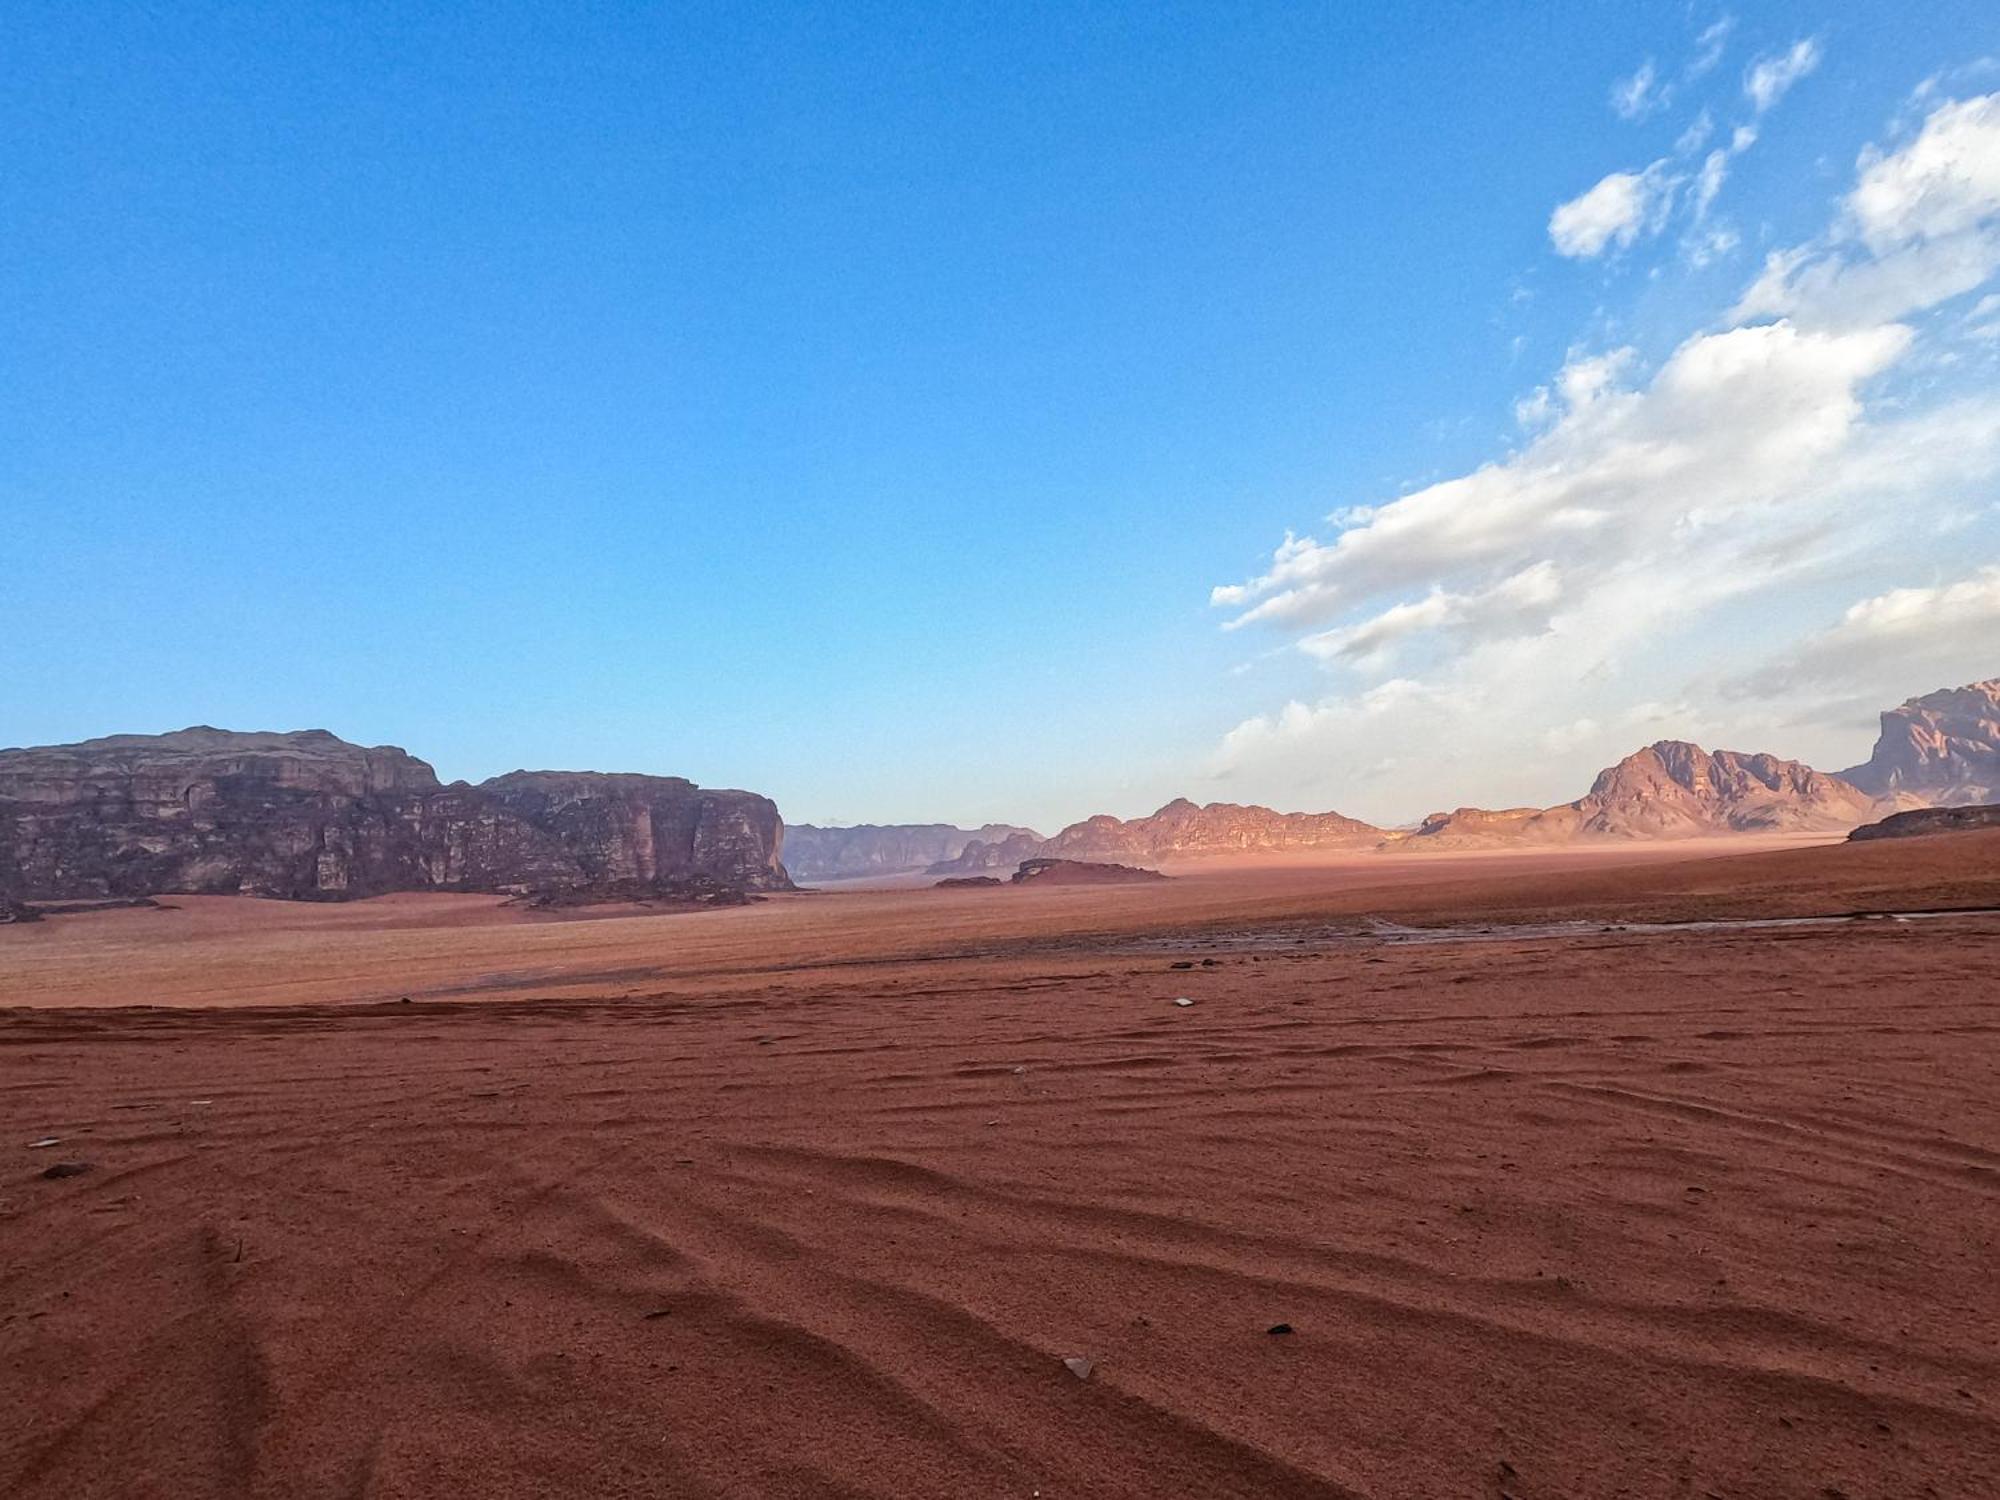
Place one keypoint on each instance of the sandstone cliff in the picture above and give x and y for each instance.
(309, 816)
(1942, 749)
(813, 853)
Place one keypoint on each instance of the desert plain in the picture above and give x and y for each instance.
(1665, 1172)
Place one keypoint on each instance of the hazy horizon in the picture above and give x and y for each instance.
(1005, 418)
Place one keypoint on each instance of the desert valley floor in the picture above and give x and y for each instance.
(816, 1197)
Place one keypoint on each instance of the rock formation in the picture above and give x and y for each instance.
(1181, 830)
(309, 816)
(1080, 872)
(1942, 749)
(814, 853)
(1925, 820)
(1671, 789)
(980, 854)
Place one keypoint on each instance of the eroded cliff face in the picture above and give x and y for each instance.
(1942, 749)
(309, 816)
(1672, 789)
(619, 827)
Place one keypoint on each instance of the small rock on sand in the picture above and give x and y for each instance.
(63, 1169)
(1080, 1367)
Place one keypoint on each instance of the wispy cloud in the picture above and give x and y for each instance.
(1921, 226)
(1770, 78)
(1640, 95)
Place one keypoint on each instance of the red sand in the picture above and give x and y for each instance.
(822, 1205)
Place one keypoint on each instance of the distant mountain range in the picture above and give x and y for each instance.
(1180, 830)
(1943, 749)
(815, 853)
(310, 816)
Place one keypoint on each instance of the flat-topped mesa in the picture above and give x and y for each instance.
(310, 816)
(620, 827)
(158, 768)
(1941, 749)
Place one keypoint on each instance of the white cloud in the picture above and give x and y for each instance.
(1941, 634)
(1615, 212)
(1709, 182)
(1732, 422)
(1521, 602)
(1770, 78)
(1692, 139)
(1638, 96)
(1945, 182)
(1922, 225)
(1657, 529)
(1709, 47)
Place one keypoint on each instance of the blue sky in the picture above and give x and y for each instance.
(897, 408)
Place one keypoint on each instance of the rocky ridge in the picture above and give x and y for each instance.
(1182, 830)
(1670, 789)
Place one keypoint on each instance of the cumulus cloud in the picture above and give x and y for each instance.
(1921, 226)
(1770, 78)
(1731, 422)
(1614, 213)
(1943, 183)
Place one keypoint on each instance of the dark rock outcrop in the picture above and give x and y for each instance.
(1919, 821)
(309, 816)
(967, 882)
(1080, 872)
(1942, 749)
(814, 853)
